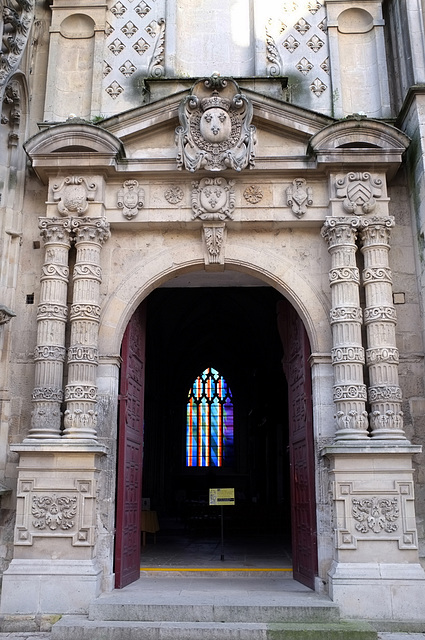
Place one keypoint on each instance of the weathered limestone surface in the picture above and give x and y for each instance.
(138, 173)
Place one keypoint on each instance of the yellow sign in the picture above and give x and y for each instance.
(222, 497)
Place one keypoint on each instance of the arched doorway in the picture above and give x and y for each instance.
(255, 339)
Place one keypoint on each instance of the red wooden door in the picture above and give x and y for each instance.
(130, 452)
(296, 348)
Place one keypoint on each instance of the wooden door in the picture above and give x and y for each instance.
(296, 348)
(130, 451)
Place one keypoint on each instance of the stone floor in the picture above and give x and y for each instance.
(169, 554)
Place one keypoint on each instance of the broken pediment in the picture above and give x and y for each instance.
(152, 138)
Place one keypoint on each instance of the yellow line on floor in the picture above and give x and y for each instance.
(202, 569)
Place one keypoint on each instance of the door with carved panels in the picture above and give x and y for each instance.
(130, 451)
(296, 348)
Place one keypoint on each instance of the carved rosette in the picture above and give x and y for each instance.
(346, 318)
(73, 195)
(131, 198)
(49, 354)
(213, 199)
(358, 191)
(16, 21)
(215, 131)
(80, 418)
(386, 417)
(299, 196)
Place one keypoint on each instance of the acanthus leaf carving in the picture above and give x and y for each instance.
(274, 67)
(213, 199)
(214, 235)
(54, 512)
(215, 129)
(131, 198)
(156, 67)
(299, 197)
(376, 514)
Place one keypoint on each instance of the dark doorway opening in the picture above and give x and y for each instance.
(235, 331)
(250, 335)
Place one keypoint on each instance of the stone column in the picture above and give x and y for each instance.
(349, 391)
(52, 315)
(81, 391)
(380, 319)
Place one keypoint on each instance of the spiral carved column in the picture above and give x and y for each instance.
(81, 391)
(346, 320)
(385, 397)
(49, 354)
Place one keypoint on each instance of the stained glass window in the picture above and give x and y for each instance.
(209, 429)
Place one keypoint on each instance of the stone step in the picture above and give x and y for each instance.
(188, 612)
(81, 628)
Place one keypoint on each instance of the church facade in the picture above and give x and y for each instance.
(235, 185)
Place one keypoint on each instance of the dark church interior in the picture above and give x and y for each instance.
(235, 331)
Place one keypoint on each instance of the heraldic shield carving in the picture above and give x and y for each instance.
(216, 131)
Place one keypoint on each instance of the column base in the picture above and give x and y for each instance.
(378, 591)
(49, 586)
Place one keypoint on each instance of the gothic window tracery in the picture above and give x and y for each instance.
(209, 425)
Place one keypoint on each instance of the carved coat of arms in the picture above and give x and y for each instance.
(216, 131)
(213, 199)
(73, 195)
(299, 197)
(130, 198)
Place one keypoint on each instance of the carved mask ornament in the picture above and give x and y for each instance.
(216, 131)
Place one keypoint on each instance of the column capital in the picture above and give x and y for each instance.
(55, 230)
(93, 230)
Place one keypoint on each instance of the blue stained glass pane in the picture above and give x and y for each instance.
(209, 424)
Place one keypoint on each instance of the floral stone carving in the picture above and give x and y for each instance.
(359, 191)
(130, 199)
(299, 197)
(214, 236)
(73, 195)
(215, 129)
(376, 514)
(213, 199)
(54, 512)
